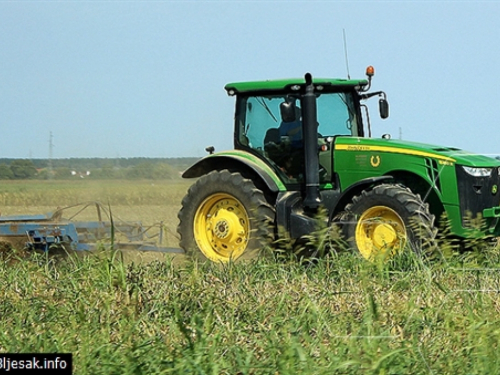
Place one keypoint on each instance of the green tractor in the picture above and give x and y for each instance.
(302, 144)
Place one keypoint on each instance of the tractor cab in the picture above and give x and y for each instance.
(270, 121)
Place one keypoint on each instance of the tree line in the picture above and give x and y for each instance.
(94, 168)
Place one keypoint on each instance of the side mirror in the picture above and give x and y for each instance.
(383, 107)
(287, 111)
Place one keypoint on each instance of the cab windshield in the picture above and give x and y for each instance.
(336, 115)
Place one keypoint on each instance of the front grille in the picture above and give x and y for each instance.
(477, 193)
(433, 172)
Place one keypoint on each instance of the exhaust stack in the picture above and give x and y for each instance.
(312, 198)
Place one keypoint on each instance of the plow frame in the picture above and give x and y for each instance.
(46, 231)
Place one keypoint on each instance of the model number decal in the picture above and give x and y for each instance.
(445, 162)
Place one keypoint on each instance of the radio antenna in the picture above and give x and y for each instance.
(345, 53)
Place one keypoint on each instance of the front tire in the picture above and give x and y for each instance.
(385, 220)
(224, 217)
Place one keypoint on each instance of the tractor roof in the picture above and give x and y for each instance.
(292, 84)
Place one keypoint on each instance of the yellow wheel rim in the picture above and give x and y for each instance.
(380, 232)
(221, 227)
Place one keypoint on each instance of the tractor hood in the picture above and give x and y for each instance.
(445, 154)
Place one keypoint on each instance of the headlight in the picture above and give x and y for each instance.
(478, 172)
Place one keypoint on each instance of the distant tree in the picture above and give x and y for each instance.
(62, 173)
(23, 169)
(140, 171)
(43, 174)
(106, 171)
(151, 171)
(6, 172)
(164, 171)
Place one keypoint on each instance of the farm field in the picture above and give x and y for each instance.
(335, 315)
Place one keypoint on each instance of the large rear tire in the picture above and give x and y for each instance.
(385, 220)
(224, 217)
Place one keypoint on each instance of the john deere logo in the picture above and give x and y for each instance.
(375, 161)
(494, 189)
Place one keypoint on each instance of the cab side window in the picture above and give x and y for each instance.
(261, 114)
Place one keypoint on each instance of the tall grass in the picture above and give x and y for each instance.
(338, 315)
(334, 315)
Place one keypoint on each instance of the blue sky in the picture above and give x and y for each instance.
(146, 78)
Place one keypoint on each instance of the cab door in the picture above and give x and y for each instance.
(336, 115)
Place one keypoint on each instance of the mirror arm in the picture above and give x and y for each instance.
(370, 94)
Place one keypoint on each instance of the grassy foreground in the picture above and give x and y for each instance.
(339, 315)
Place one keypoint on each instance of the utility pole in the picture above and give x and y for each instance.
(51, 149)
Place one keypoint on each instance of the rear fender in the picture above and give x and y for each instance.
(238, 161)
